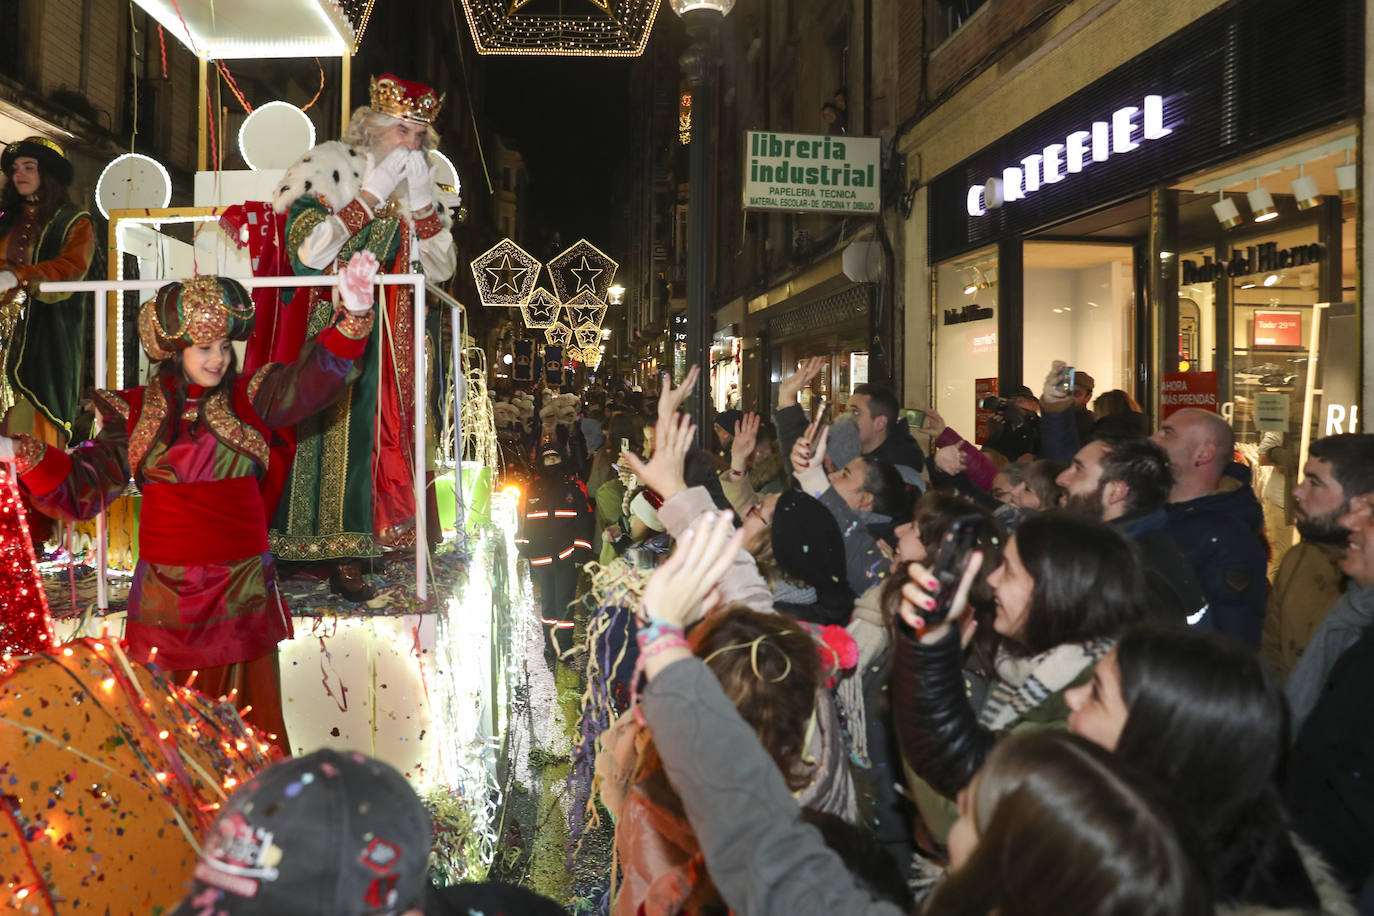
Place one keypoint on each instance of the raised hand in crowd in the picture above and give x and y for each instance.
(670, 398)
(746, 438)
(933, 424)
(951, 459)
(918, 598)
(794, 383)
(673, 434)
(1054, 397)
(808, 460)
(683, 589)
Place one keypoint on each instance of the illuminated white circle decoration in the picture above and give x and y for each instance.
(447, 174)
(275, 135)
(132, 181)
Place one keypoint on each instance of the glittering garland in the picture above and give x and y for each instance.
(613, 596)
(25, 621)
(104, 754)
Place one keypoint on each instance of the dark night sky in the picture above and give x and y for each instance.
(569, 118)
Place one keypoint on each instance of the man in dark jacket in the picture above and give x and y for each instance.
(1217, 521)
(1330, 794)
(882, 432)
(555, 535)
(1125, 482)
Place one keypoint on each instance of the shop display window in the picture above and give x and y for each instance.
(965, 339)
(1079, 307)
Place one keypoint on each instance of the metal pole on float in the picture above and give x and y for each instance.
(420, 414)
(420, 408)
(102, 584)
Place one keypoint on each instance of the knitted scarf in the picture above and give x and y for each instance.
(1024, 683)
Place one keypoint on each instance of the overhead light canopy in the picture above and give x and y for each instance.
(1261, 204)
(256, 28)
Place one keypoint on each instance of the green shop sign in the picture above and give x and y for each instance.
(811, 172)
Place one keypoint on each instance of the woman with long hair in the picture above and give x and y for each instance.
(195, 441)
(1051, 825)
(1204, 717)
(1065, 587)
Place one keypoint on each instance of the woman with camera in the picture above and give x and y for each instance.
(1065, 587)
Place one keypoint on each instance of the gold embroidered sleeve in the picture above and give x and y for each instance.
(356, 327)
(302, 225)
(428, 226)
(256, 381)
(112, 403)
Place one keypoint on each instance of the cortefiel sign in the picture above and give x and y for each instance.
(1125, 130)
(811, 172)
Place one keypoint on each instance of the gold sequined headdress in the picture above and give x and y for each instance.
(200, 310)
(403, 99)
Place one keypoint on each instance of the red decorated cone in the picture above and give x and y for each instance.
(25, 623)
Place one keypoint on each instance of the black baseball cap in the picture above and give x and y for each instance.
(327, 834)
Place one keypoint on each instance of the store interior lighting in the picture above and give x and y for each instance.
(1305, 192)
(1262, 207)
(1226, 212)
(1346, 178)
(1271, 279)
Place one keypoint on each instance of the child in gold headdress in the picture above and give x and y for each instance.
(194, 439)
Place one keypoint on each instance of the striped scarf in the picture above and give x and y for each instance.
(1024, 683)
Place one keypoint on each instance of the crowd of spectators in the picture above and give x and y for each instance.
(1115, 712)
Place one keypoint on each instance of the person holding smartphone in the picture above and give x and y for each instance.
(1065, 588)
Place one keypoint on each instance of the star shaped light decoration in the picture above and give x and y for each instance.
(559, 335)
(572, 28)
(585, 308)
(541, 310)
(588, 356)
(505, 275)
(588, 335)
(582, 268)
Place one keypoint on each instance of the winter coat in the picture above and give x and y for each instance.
(1222, 534)
(1307, 585)
(1348, 621)
(556, 521)
(944, 739)
(1175, 592)
(1330, 792)
(763, 858)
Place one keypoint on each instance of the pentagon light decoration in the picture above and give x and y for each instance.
(582, 268)
(585, 308)
(505, 275)
(588, 336)
(541, 311)
(559, 335)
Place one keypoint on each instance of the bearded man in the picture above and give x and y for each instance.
(1310, 580)
(350, 493)
(1125, 481)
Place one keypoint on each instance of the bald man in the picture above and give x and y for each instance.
(1217, 521)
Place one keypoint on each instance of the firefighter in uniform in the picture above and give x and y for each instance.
(556, 523)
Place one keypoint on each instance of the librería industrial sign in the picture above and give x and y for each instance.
(811, 172)
(1127, 129)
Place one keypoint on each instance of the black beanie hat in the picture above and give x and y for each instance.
(808, 545)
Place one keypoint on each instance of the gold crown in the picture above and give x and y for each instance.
(405, 100)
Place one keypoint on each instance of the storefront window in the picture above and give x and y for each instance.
(966, 340)
(1079, 307)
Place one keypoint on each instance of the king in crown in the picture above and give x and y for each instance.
(350, 491)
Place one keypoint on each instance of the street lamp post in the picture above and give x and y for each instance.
(699, 65)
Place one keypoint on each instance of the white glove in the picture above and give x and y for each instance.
(382, 177)
(450, 201)
(419, 181)
(356, 282)
(6, 443)
(8, 280)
